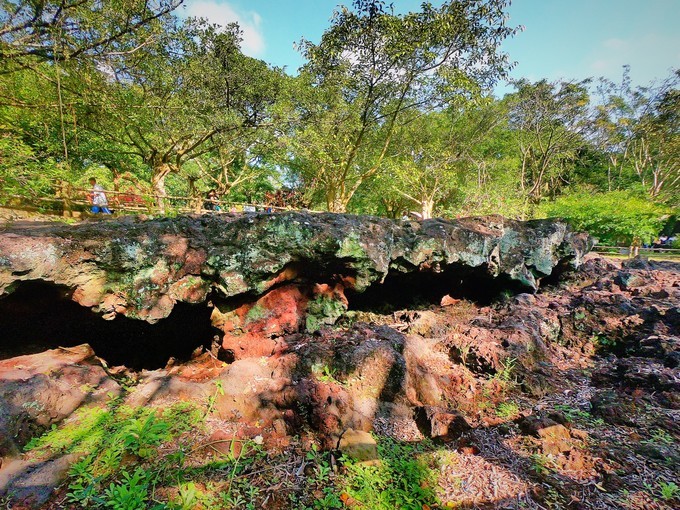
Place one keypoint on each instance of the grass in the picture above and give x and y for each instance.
(159, 458)
(656, 257)
(405, 478)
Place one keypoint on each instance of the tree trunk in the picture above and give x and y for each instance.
(337, 205)
(426, 208)
(196, 202)
(158, 183)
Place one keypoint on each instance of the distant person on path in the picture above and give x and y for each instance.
(635, 247)
(98, 198)
(212, 201)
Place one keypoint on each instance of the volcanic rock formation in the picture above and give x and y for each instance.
(274, 273)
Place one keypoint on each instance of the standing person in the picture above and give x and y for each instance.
(212, 202)
(635, 247)
(98, 198)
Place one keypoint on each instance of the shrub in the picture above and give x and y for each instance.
(614, 217)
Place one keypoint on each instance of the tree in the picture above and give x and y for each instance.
(438, 152)
(371, 68)
(637, 128)
(65, 30)
(194, 96)
(550, 121)
(655, 142)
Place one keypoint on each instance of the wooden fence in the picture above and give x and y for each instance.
(625, 251)
(71, 201)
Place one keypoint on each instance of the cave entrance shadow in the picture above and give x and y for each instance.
(39, 315)
(420, 289)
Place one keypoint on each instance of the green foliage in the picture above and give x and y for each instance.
(507, 370)
(324, 373)
(550, 122)
(507, 410)
(131, 493)
(219, 390)
(111, 438)
(81, 434)
(540, 464)
(142, 434)
(572, 413)
(669, 491)
(391, 113)
(613, 217)
(660, 437)
(365, 77)
(188, 497)
(604, 343)
(402, 480)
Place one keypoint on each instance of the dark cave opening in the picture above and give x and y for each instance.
(425, 288)
(39, 316)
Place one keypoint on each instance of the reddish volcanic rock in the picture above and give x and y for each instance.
(41, 389)
(254, 329)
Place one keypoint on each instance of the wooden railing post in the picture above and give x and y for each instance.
(65, 190)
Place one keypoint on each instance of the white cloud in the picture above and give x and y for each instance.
(221, 13)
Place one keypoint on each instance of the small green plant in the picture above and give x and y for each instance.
(142, 434)
(219, 391)
(507, 410)
(188, 497)
(602, 341)
(84, 487)
(103, 477)
(329, 501)
(324, 373)
(540, 464)
(571, 413)
(464, 352)
(403, 479)
(507, 371)
(660, 437)
(130, 494)
(669, 491)
(79, 434)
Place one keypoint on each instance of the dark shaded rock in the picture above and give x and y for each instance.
(627, 280)
(636, 374)
(612, 408)
(440, 423)
(32, 484)
(532, 424)
(664, 348)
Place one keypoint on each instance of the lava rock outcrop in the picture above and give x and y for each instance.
(141, 269)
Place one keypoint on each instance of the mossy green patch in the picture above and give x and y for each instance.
(255, 314)
(323, 310)
(351, 247)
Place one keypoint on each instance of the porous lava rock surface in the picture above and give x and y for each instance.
(276, 272)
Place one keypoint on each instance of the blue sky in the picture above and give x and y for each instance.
(561, 38)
